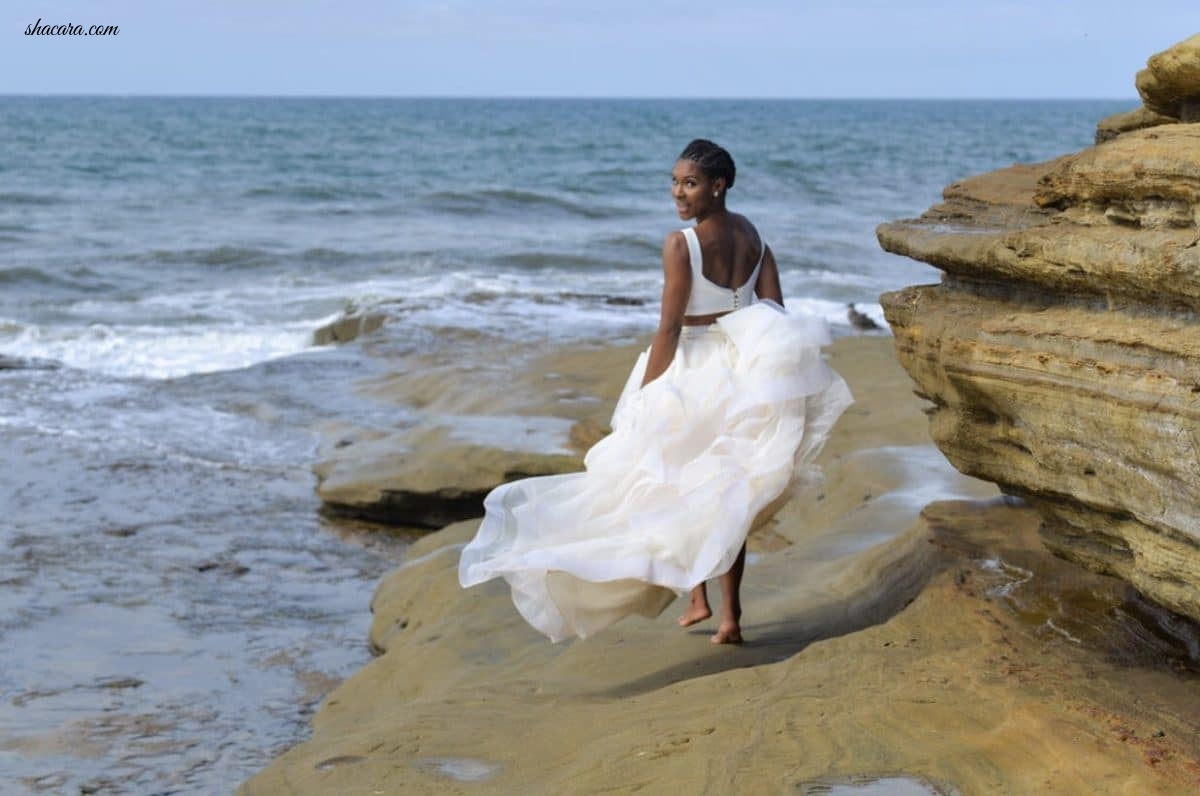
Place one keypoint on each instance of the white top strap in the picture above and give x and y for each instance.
(758, 266)
(693, 244)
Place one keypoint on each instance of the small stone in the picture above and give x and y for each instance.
(120, 683)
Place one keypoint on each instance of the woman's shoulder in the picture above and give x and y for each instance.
(674, 241)
(675, 250)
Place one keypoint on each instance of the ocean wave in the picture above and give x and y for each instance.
(322, 255)
(311, 193)
(24, 363)
(509, 200)
(541, 260)
(616, 301)
(640, 244)
(224, 255)
(560, 298)
(575, 315)
(836, 313)
(828, 277)
(17, 276)
(102, 167)
(626, 171)
(21, 198)
(184, 341)
(157, 352)
(537, 318)
(24, 275)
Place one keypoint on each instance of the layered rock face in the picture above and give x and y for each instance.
(1062, 349)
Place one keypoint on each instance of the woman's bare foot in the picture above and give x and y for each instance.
(727, 633)
(698, 608)
(694, 614)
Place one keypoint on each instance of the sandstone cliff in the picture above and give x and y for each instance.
(1061, 351)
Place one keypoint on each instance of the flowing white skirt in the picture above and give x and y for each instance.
(667, 499)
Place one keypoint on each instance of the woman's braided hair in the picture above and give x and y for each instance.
(713, 160)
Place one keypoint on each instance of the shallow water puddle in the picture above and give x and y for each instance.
(464, 769)
(1056, 598)
(887, 786)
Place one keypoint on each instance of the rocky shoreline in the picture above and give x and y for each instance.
(902, 622)
(905, 622)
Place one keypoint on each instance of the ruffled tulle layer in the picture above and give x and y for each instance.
(668, 497)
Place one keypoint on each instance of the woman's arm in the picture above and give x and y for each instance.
(767, 286)
(677, 287)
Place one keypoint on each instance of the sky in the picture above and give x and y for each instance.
(619, 48)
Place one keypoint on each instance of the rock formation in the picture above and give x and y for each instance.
(423, 478)
(1170, 83)
(1168, 87)
(1061, 350)
(354, 322)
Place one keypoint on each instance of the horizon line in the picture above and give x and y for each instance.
(560, 97)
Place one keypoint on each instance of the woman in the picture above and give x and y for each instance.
(721, 415)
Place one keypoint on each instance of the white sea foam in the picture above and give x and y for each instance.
(158, 352)
(167, 335)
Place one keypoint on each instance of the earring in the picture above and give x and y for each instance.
(716, 194)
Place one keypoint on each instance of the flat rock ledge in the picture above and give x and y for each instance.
(1061, 350)
(464, 425)
(423, 478)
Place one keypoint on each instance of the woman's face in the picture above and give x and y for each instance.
(692, 190)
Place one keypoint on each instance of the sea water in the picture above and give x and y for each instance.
(173, 605)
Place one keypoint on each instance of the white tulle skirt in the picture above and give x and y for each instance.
(668, 497)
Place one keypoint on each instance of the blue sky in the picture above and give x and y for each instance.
(621, 48)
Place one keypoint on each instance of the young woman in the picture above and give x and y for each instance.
(724, 412)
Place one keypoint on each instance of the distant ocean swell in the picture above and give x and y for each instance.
(507, 201)
(33, 199)
(219, 220)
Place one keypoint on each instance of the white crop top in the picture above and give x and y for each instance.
(707, 297)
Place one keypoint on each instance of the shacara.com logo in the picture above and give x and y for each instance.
(38, 29)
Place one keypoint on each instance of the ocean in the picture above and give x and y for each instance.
(174, 605)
